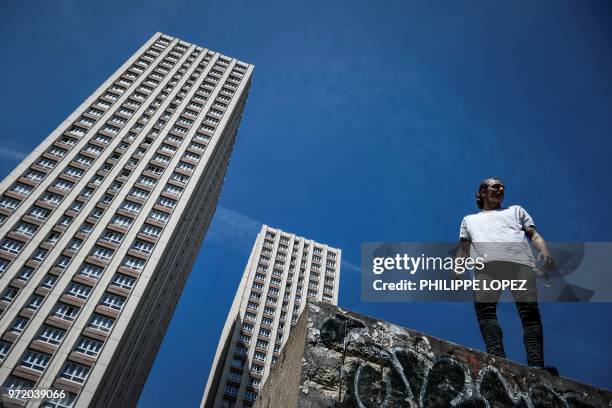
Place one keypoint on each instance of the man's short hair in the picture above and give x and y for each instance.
(484, 184)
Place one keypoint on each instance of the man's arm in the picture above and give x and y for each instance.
(540, 244)
(462, 252)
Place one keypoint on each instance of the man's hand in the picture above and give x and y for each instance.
(548, 265)
(457, 275)
(547, 259)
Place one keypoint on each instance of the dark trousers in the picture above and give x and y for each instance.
(485, 303)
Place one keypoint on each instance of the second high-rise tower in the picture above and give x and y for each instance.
(283, 273)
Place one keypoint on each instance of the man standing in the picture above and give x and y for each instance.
(499, 235)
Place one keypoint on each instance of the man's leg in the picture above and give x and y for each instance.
(533, 335)
(529, 312)
(489, 327)
(485, 303)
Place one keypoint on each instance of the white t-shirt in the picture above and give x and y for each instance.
(499, 235)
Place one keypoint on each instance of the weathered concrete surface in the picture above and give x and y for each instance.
(336, 358)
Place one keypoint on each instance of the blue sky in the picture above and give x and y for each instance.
(367, 121)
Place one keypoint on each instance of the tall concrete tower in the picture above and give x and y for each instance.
(101, 223)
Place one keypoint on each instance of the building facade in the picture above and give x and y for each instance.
(101, 223)
(283, 272)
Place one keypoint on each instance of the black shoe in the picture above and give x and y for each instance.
(549, 369)
(552, 371)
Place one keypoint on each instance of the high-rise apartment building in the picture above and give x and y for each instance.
(101, 223)
(284, 271)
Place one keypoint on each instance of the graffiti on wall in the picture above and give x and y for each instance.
(380, 374)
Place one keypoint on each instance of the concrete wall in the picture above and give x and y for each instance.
(350, 360)
(281, 389)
